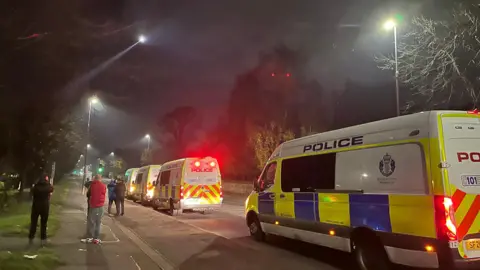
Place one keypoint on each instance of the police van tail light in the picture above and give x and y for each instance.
(221, 192)
(445, 218)
(475, 111)
(181, 192)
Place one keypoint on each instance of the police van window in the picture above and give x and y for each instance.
(268, 176)
(164, 178)
(309, 173)
(139, 178)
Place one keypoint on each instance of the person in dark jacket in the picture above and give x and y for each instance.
(41, 193)
(120, 190)
(111, 196)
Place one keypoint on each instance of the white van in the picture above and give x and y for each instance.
(144, 186)
(130, 176)
(189, 184)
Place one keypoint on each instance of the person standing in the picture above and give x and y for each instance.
(98, 191)
(41, 193)
(120, 190)
(111, 196)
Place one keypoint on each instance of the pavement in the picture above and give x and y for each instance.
(116, 252)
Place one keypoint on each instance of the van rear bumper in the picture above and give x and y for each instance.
(200, 207)
(467, 264)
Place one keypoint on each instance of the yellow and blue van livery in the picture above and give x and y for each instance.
(144, 183)
(403, 190)
(130, 176)
(189, 184)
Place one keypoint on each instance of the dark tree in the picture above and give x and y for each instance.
(175, 124)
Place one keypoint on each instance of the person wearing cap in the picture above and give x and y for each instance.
(41, 193)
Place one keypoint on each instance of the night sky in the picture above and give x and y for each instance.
(195, 50)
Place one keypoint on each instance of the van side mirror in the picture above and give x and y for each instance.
(257, 185)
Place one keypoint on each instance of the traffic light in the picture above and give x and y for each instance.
(100, 168)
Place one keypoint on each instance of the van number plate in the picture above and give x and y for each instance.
(473, 244)
(470, 180)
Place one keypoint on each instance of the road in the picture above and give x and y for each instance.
(220, 240)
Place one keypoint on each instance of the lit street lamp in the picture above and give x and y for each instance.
(112, 154)
(389, 25)
(142, 39)
(91, 101)
(148, 140)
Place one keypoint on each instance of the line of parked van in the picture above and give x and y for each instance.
(185, 184)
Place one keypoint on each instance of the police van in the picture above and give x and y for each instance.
(398, 191)
(144, 187)
(188, 184)
(130, 176)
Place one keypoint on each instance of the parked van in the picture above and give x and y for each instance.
(130, 176)
(403, 190)
(144, 180)
(189, 184)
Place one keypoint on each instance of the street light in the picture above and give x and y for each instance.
(112, 154)
(142, 39)
(148, 140)
(91, 100)
(389, 25)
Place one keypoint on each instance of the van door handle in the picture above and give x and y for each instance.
(271, 196)
(282, 195)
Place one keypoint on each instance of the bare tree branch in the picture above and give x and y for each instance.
(439, 60)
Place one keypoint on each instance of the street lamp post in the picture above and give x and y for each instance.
(391, 24)
(148, 141)
(91, 101)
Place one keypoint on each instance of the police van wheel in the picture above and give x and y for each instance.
(369, 255)
(255, 229)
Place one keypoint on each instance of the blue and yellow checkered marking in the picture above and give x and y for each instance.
(266, 203)
(381, 212)
(371, 211)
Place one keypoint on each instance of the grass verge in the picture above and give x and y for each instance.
(46, 260)
(15, 222)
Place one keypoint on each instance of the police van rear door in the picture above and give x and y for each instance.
(462, 150)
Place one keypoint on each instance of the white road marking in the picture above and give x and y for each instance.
(154, 255)
(135, 262)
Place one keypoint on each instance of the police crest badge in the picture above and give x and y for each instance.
(387, 165)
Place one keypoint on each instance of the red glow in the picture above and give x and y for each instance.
(273, 74)
(445, 218)
(181, 192)
(474, 112)
(212, 164)
(288, 74)
(197, 163)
